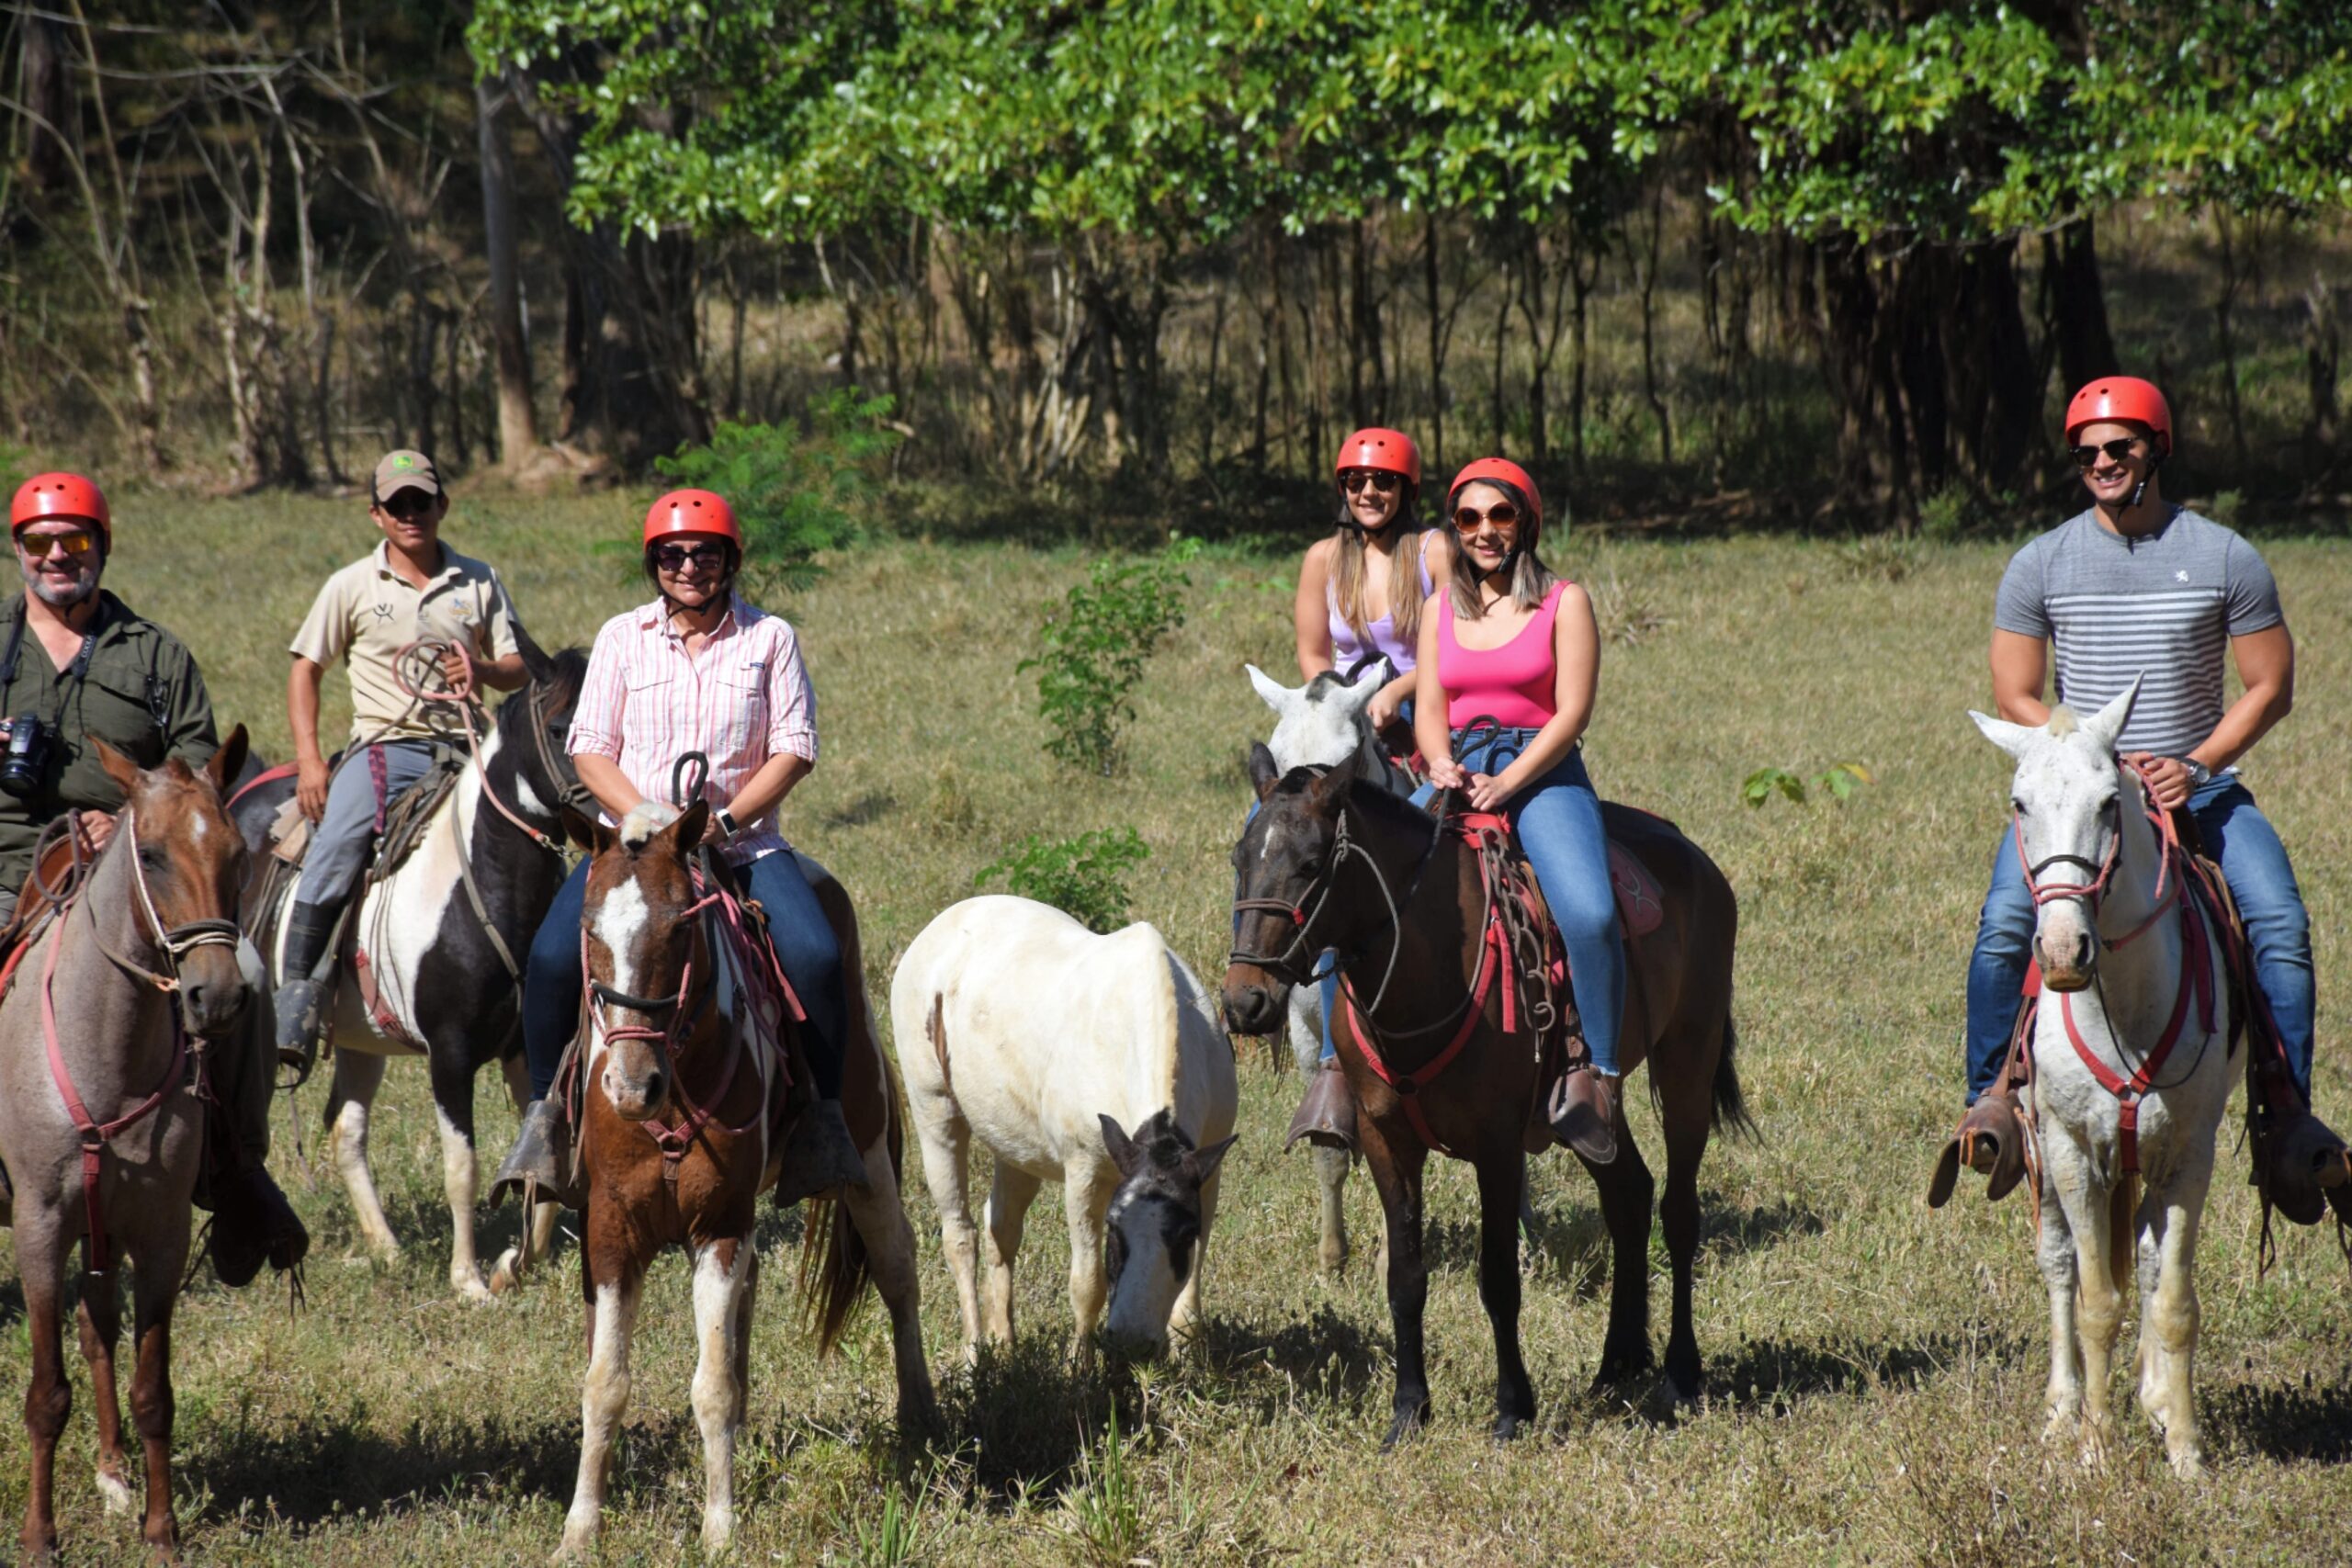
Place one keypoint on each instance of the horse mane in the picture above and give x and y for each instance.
(2063, 721)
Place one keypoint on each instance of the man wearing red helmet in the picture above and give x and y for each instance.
(81, 665)
(2139, 588)
(697, 669)
(410, 588)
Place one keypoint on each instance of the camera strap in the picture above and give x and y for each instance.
(66, 682)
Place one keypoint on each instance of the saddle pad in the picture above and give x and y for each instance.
(1641, 902)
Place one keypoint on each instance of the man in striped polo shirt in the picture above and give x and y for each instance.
(2137, 588)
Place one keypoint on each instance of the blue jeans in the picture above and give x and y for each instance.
(805, 944)
(1558, 819)
(2255, 864)
(346, 830)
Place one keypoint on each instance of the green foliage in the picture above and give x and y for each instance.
(1091, 653)
(1085, 877)
(1839, 782)
(894, 1539)
(1883, 557)
(1107, 1501)
(2226, 508)
(795, 492)
(16, 466)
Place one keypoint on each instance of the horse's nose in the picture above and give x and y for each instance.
(1249, 1009)
(211, 1008)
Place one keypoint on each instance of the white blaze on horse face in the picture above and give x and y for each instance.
(621, 920)
(1144, 1292)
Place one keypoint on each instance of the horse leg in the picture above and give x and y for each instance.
(101, 1326)
(1087, 1187)
(879, 1212)
(49, 1398)
(1184, 1318)
(721, 1275)
(2170, 1314)
(2099, 1315)
(358, 1076)
(1331, 1178)
(603, 1395)
(538, 1216)
(946, 1141)
(2056, 1255)
(1396, 1174)
(156, 1287)
(1626, 1194)
(1689, 1113)
(1501, 1182)
(453, 1108)
(1009, 1202)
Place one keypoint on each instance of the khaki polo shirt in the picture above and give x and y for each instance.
(368, 612)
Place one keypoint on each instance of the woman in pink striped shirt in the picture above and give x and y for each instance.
(698, 668)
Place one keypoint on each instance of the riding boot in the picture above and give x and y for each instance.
(1583, 1111)
(301, 1000)
(1990, 1139)
(253, 1224)
(2299, 1162)
(818, 1155)
(1327, 1112)
(540, 1161)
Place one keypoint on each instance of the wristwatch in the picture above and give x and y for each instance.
(727, 827)
(2200, 775)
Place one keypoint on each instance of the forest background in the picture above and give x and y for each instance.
(1821, 266)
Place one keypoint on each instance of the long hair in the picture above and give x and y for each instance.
(1348, 574)
(1530, 579)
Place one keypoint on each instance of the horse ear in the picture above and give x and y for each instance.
(1263, 773)
(1277, 696)
(2014, 738)
(120, 768)
(688, 829)
(1203, 1163)
(1328, 793)
(228, 762)
(1121, 1148)
(536, 663)
(2107, 725)
(586, 831)
(1367, 685)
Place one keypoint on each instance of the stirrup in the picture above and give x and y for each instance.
(1583, 1111)
(251, 1224)
(2300, 1165)
(540, 1162)
(1327, 1112)
(818, 1156)
(1990, 1139)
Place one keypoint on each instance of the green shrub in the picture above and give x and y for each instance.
(2226, 508)
(1091, 652)
(1085, 877)
(1839, 782)
(16, 466)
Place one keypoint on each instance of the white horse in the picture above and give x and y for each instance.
(1052, 1045)
(2110, 909)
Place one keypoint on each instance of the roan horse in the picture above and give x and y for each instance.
(686, 1111)
(2142, 1001)
(440, 939)
(1016, 1023)
(102, 1043)
(1333, 861)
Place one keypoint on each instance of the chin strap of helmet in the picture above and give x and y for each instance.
(2155, 462)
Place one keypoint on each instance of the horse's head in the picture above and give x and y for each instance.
(643, 947)
(187, 863)
(1152, 1230)
(1322, 723)
(1282, 871)
(2067, 800)
(534, 727)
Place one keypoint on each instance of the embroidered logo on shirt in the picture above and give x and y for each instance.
(2180, 576)
(382, 612)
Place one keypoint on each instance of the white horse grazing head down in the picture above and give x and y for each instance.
(1320, 724)
(2069, 800)
(1152, 1229)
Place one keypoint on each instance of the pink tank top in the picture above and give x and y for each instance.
(1516, 684)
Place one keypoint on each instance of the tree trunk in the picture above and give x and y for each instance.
(518, 419)
(1437, 344)
(1648, 262)
(2078, 306)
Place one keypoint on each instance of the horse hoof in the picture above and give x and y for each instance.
(1402, 1427)
(471, 1288)
(115, 1493)
(1508, 1427)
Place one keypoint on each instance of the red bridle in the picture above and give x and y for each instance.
(2091, 891)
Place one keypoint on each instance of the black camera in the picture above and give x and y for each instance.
(25, 765)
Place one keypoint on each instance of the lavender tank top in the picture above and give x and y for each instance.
(1380, 636)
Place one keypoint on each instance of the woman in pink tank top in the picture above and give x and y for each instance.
(1510, 666)
(1377, 557)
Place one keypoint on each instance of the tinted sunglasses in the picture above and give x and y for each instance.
(41, 547)
(2116, 450)
(407, 504)
(673, 557)
(1355, 479)
(1502, 515)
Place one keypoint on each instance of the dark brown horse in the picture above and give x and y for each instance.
(1333, 861)
(686, 1110)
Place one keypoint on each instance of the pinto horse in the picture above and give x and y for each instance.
(1332, 859)
(688, 1103)
(102, 1043)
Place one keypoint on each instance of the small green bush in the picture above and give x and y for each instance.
(1085, 877)
(16, 466)
(1091, 652)
(2226, 508)
(1839, 782)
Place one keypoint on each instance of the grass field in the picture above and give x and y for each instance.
(1875, 1368)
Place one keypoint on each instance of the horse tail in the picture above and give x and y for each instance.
(1730, 1102)
(2123, 1230)
(835, 1267)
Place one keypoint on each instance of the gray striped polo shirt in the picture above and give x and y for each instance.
(2162, 606)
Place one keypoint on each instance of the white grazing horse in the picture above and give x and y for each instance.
(1051, 1044)
(2158, 1024)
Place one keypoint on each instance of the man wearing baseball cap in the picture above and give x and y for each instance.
(409, 589)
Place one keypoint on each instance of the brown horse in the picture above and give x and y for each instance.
(1334, 862)
(688, 1110)
(102, 1043)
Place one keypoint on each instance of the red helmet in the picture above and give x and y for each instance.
(68, 496)
(1383, 451)
(692, 511)
(1508, 472)
(2126, 399)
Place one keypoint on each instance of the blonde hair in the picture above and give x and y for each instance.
(1349, 579)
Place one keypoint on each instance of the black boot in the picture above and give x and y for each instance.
(302, 1000)
(818, 1155)
(540, 1160)
(253, 1224)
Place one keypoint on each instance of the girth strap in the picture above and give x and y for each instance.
(2197, 978)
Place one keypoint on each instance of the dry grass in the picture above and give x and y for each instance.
(1876, 1369)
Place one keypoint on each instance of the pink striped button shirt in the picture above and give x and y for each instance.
(743, 699)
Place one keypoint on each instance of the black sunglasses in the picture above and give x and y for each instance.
(408, 503)
(2116, 450)
(673, 557)
(1380, 479)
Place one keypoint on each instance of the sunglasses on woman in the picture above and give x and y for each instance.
(2116, 450)
(1502, 515)
(1355, 479)
(673, 557)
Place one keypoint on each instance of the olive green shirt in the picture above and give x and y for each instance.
(143, 694)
